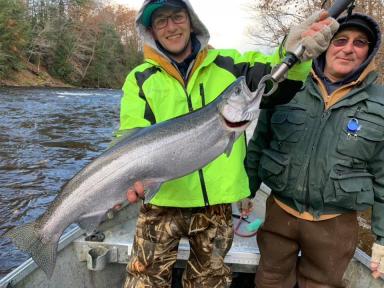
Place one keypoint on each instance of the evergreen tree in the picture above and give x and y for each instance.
(13, 35)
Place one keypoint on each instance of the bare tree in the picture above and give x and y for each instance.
(277, 16)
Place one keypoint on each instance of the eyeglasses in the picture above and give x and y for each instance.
(177, 18)
(340, 42)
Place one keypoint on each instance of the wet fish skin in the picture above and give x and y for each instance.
(152, 155)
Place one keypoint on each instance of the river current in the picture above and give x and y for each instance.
(46, 136)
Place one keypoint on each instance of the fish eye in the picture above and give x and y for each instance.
(237, 90)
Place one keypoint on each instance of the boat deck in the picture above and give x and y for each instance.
(82, 263)
(242, 257)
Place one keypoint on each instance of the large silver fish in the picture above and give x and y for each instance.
(152, 155)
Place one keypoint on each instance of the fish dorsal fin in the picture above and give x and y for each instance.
(91, 221)
(231, 140)
(151, 190)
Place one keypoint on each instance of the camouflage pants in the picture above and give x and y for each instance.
(158, 232)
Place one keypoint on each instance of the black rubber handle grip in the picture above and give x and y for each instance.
(338, 7)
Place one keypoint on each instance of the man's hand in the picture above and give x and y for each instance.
(314, 34)
(245, 206)
(377, 260)
(136, 192)
(133, 195)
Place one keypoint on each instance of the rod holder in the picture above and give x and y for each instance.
(98, 258)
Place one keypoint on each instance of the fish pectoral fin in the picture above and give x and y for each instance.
(91, 221)
(232, 139)
(151, 190)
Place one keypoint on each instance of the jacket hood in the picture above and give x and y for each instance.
(319, 62)
(199, 28)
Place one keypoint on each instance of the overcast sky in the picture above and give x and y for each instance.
(227, 21)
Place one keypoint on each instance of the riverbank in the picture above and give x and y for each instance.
(32, 76)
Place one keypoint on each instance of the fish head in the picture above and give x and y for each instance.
(239, 106)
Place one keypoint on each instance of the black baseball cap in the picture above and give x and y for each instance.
(359, 23)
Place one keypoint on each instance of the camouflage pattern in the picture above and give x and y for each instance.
(158, 232)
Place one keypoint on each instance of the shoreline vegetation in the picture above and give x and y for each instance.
(72, 43)
(94, 44)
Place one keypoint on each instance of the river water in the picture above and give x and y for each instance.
(46, 136)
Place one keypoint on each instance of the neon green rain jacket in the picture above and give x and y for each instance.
(155, 91)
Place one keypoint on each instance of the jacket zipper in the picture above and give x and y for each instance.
(189, 101)
(303, 179)
(201, 174)
(324, 117)
(202, 94)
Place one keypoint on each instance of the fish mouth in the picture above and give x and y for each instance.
(235, 124)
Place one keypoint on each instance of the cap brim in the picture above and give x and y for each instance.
(147, 13)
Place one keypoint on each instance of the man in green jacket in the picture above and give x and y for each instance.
(322, 155)
(180, 74)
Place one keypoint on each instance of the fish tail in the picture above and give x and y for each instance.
(28, 239)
